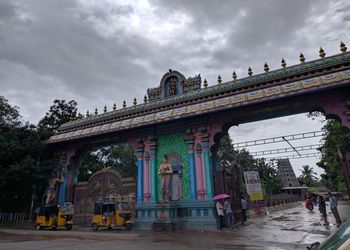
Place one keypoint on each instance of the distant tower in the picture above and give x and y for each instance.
(286, 172)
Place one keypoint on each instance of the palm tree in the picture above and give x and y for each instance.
(308, 175)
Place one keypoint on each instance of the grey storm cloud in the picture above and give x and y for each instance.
(98, 52)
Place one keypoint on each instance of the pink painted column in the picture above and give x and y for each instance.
(201, 191)
(146, 176)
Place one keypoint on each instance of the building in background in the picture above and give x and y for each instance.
(286, 172)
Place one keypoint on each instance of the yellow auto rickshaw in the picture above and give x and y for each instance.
(111, 215)
(55, 216)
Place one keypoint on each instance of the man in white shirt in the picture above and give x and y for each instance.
(220, 211)
(228, 209)
(333, 203)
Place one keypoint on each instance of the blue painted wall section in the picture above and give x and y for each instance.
(62, 190)
(153, 177)
(208, 172)
(139, 151)
(190, 143)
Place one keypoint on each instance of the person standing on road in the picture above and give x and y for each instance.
(244, 204)
(220, 211)
(334, 204)
(323, 210)
(228, 209)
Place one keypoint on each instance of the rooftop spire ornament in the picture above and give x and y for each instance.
(205, 83)
(266, 67)
(301, 58)
(124, 104)
(145, 99)
(283, 63)
(87, 113)
(322, 53)
(343, 48)
(234, 75)
(250, 72)
(96, 112)
(135, 101)
(105, 109)
(219, 79)
(114, 107)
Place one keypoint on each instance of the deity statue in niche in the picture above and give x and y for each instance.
(176, 180)
(172, 87)
(165, 170)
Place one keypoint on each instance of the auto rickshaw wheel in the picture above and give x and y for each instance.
(37, 227)
(94, 227)
(69, 227)
(128, 226)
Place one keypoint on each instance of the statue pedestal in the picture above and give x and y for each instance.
(176, 215)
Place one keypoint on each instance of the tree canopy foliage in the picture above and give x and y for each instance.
(59, 113)
(271, 182)
(23, 164)
(336, 141)
(308, 176)
(120, 157)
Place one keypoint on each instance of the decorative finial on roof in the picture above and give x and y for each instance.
(234, 75)
(322, 53)
(145, 99)
(135, 101)
(250, 72)
(96, 112)
(124, 104)
(302, 58)
(87, 113)
(219, 79)
(80, 116)
(205, 83)
(283, 63)
(266, 67)
(105, 109)
(343, 48)
(114, 107)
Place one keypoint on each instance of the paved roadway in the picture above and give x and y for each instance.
(293, 228)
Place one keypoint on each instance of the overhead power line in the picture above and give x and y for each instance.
(285, 150)
(301, 136)
(311, 155)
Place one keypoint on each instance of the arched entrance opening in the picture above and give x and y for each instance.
(105, 174)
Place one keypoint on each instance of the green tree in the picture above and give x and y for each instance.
(59, 113)
(271, 182)
(23, 170)
(308, 176)
(336, 140)
(120, 157)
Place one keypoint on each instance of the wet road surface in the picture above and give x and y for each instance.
(293, 228)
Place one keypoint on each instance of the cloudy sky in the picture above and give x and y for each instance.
(104, 51)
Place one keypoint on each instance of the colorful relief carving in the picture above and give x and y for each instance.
(257, 94)
(164, 114)
(276, 90)
(293, 86)
(207, 105)
(238, 98)
(179, 111)
(330, 78)
(193, 108)
(148, 118)
(345, 74)
(313, 82)
(221, 102)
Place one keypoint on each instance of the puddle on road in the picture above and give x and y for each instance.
(282, 218)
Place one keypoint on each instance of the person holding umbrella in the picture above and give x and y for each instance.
(220, 208)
